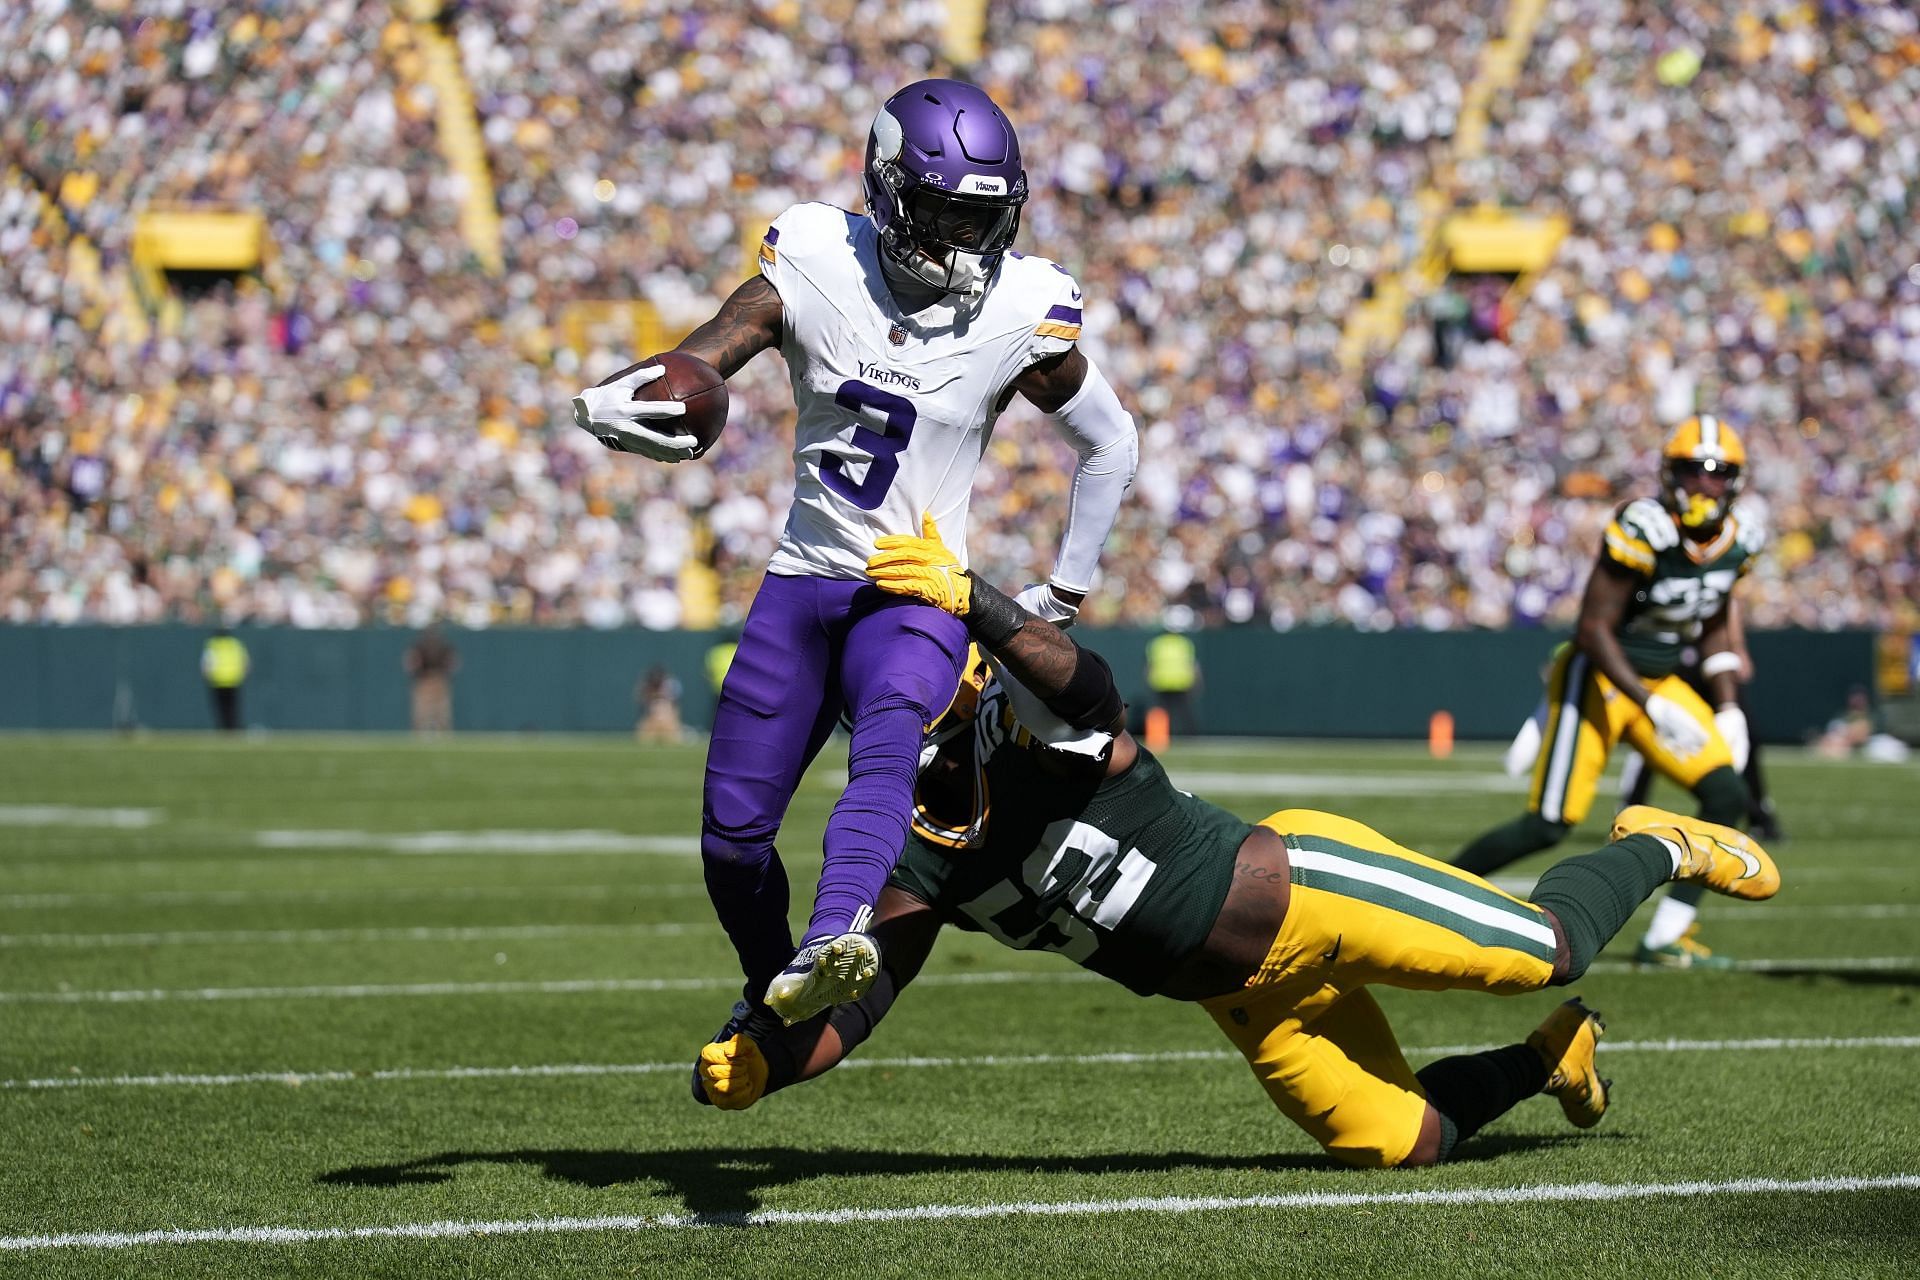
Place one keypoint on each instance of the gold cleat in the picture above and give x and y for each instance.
(1566, 1043)
(834, 971)
(1724, 860)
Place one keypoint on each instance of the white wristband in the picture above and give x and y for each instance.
(1719, 664)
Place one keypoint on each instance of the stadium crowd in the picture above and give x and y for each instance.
(375, 429)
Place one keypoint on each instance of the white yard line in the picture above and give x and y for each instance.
(1812, 964)
(575, 986)
(1290, 786)
(249, 897)
(488, 841)
(73, 815)
(571, 986)
(1150, 1058)
(418, 933)
(1549, 1193)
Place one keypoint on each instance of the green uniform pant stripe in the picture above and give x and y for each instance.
(1439, 877)
(1513, 926)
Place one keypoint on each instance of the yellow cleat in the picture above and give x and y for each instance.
(1724, 860)
(835, 971)
(1566, 1043)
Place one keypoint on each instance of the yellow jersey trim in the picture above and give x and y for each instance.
(1634, 553)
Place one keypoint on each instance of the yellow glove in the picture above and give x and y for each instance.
(733, 1073)
(923, 568)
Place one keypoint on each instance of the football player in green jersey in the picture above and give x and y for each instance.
(1664, 581)
(1041, 822)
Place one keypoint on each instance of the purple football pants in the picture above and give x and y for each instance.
(813, 647)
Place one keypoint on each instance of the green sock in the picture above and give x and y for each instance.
(1528, 833)
(1594, 894)
(1474, 1088)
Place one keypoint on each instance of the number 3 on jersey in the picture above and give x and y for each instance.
(885, 444)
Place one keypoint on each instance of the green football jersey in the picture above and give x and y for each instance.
(1123, 876)
(1683, 584)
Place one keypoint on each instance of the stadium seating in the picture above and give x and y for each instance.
(373, 427)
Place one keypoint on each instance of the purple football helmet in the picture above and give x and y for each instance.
(944, 184)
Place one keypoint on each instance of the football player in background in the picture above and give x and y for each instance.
(1042, 822)
(1636, 780)
(906, 331)
(1664, 580)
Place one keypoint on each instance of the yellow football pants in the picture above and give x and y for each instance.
(1587, 716)
(1364, 910)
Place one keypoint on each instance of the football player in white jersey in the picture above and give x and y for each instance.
(906, 331)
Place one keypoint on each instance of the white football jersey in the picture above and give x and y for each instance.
(893, 410)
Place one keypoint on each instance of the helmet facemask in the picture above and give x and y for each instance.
(959, 716)
(945, 217)
(1697, 510)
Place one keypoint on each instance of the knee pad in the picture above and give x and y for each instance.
(1544, 832)
(1723, 797)
(745, 846)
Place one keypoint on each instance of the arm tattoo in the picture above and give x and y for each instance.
(1051, 382)
(1040, 656)
(748, 322)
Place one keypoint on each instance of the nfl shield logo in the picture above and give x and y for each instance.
(897, 335)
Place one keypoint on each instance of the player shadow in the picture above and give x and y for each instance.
(720, 1186)
(1852, 977)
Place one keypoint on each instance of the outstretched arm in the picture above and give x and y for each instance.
(739, 1072)
(1075, 683)
(1071, 390)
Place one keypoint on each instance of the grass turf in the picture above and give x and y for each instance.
(168, 939)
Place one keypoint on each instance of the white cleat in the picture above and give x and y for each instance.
(829, 972)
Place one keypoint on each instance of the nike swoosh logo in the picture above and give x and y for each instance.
(1076, 295)
(1331, 956)
(1751, 863)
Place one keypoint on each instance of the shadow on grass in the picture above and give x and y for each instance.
(1852, 977)
(721, 1185)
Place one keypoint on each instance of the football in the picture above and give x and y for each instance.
(694, 383)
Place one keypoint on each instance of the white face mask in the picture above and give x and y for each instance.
(964, 277)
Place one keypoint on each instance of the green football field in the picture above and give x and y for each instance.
(352, 1007)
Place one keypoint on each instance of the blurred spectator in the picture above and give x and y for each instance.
(374, 430)
(658, 698)
(224, 666)
(1173, 672)
(431, 662)
(719, 661)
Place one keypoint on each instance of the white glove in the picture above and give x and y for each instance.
(1731, 721)
(1525, 749)
(1043, 602)
(612, 416)
(1678, 732)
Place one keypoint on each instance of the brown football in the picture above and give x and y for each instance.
(694, 383)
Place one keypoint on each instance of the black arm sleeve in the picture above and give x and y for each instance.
(1091, 700)
(855, 1022)
(993, 615)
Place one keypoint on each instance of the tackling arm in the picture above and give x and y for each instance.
(1071, 389)
(739, 1072)
(1074, 683)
